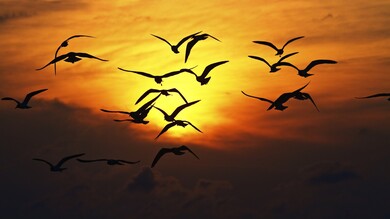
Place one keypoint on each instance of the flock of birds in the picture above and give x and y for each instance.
(140, 114)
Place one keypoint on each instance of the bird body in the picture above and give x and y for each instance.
(58, 167)
(177, 151)
(203, 79)
(157, 78)
(24, 104)
(273, 67)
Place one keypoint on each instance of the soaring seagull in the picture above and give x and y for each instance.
(24, 104)
(376, 95)
(305, 72)
(196, 39)
(110, 161)
(177, 151)
(57, 167)
(171, 118)
(182, 123)
(175, 48)
(273, 67)
(157, 78)
(279, 51)
(163, 92)
(203, 79)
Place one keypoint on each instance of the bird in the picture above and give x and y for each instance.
(273, 67)
(175, 48)
(278, 103)
(163, 92)
(195, 39)
(171, 118)
(177, 151)
(376, 95)
(182, 123)
(157, 79)
(279, 51)
(65, 44)
(305, 72)
(202, 78)
(57, 167)
(137, 116)
(71, 57)
(24, 104)
(110, 161)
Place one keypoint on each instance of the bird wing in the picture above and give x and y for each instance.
(74, 36)
(375, 95)
(59, 58)
(162, 39)
(86, 55)
(168, 126)
(213, 37)
(186, 38)
(63, 160)
(180, 108)
(47, 162)
(86, 161)
(177, 91)
(210, 67)
(287, 64)
(146, 94)
(160, 153)
(259, 98)
(189, 47)
(162, 111)
(10, 98)
(129, 162)
(311, 99)
(148, 104)
(123, 120)
(183, 147)
(301, 88)
(260, 59)
(30, 95)
(293, 39)
(286, 56)
(267, 44)
(317, 62)
(193, 126)
(172, 73)
(111, 111)
(138, 72)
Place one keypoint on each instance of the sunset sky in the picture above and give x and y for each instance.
(254, 163)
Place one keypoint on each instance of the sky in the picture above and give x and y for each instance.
(254, 163)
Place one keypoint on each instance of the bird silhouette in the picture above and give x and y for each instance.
(157, 79)
(182, 123)
(278, 103)
(65, 44)
(24, 104)
(376, 95)
(273, 67)
(175, 48)
(279, 51)
(203, 79)
(58, 167)
(137, 116)
(170, 118)
(305, 72)
(177, 151)
(71, 57)
(110, 161)
(163, 92)
(195, 39)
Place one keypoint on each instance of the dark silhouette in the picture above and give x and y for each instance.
(177, 151)
(157, 79)
(273, 67)
(305, 72)
(278, 51)
(137, 116)
(57, 167)
(24, 104)
(376, 95)
(194, 40)
(175, 48)
(202, 78)
(182, 123)
(163, 92)
(171, 117)
(278, 103)
(65, 44)
(110, 161)
(71, 57)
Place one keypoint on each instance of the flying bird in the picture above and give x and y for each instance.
(177, 151)
(278, 103)
(273, 67)
(157, 79)
(376, 95)
(175, 48)
(163, 92)
(170, 118)
(195, 39)
(24, 104)
(137, 116)
(182, 123)
(203, 79)
(279, 51)
(305, 72)
(58, 167)
(110, 161)
(71, 57)
(65, 44)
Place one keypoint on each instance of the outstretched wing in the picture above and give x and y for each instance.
(168, 126)
(86, 55)
(286, 56)
(177, 91)
(210, 67)
(180, 108)
(160, 153)
(193, 126)
(301, 88)
(189, 47)
(311, 99)
(162, 111)
(213, 37)
(172, 73)
(59, 58)
(10, 98)
(293, 39)
(267, 44)
(129, 162)
(42, 160)
(138, 72)
(186, 38)
(287, 64)
(317, 62)
(111, 111)
(63, 160)
(183, 147)
(260, 59)
(30, 95)
(259, 98)
(158, 37)
(146, 94)
(87, 161)
(375, 95)
(148, 104)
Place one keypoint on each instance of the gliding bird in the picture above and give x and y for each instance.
(57, 167)
(194, 40)
(157, 79)
(376, 95)
(279, 51)
(305, 72)
(182, 123)
(177, 151)
(202, 78)
(170, 118)
(175, 48)
(24, 104)
(110, 161)
(273, 67)
(163, 92)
